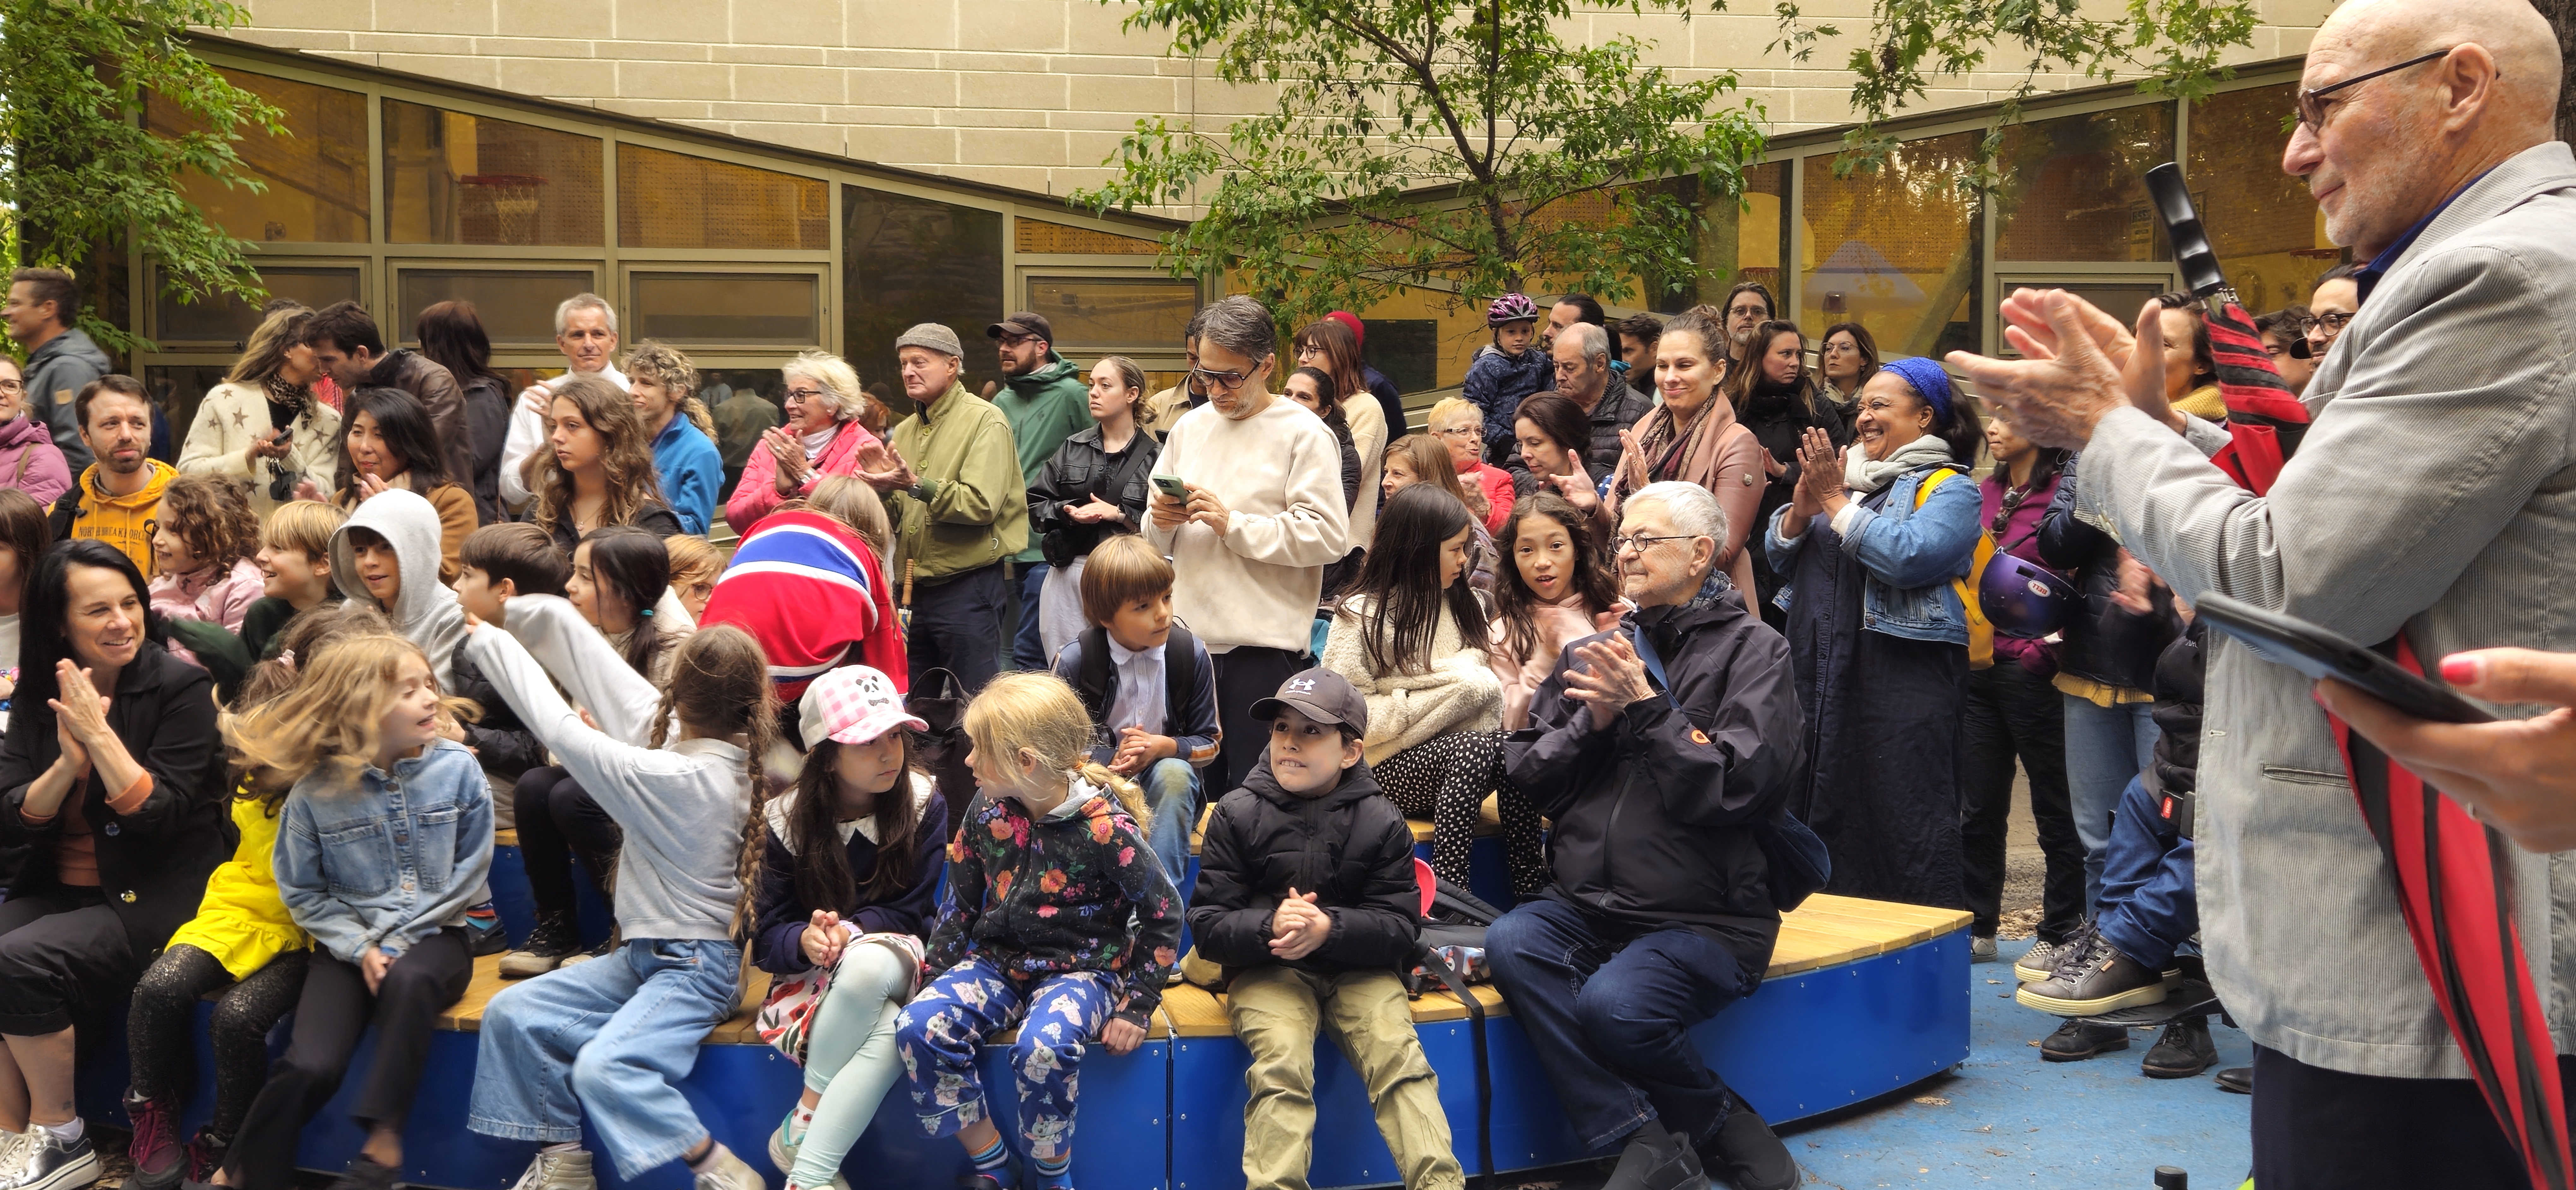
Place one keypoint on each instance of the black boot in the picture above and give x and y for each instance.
(2075, 1041)
(2183, 1052)
(1656, 1159)
(1748, 1154)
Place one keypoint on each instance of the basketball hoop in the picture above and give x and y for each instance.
(513, 199)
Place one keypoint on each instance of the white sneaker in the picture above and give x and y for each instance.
(1981, 950)
(49, 1163)
(728, 1172)
(566, 1169)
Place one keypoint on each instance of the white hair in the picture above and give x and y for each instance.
(1692, 509)
(1589, 339)
(585, 301)
(840, 381)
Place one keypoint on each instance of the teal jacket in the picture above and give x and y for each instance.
(1044, 407)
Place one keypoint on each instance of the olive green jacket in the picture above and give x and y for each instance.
(971, 507)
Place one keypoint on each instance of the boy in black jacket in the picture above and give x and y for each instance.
(496, 563)
(1306, 896)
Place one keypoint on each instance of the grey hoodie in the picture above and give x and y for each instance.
(56, 372)
(425, 613)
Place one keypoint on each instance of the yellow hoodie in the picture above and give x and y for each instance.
(126, 522)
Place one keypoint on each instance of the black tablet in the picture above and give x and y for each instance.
(2321, 654)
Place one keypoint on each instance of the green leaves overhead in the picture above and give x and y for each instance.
(82, 172)
(1416, 142)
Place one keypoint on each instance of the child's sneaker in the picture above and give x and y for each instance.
(159, 1160)
(724, 1171)
(789, 1137)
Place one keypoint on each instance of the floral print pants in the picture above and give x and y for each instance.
(943, 1029)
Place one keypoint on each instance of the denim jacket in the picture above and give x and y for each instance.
(388, 859)
(1909, 555)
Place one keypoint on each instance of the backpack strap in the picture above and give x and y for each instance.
(1180, 678)
(1981, 631)
(1095, 681)
(1430, 961)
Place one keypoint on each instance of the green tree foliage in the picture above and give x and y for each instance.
(1470, 145)
(2175, 43)
(82, 174)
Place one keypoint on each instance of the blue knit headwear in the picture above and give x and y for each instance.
(1928, 379)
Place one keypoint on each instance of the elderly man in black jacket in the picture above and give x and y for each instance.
(1307, 897)
(1656, 748)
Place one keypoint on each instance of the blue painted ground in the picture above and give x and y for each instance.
(2004, 1118)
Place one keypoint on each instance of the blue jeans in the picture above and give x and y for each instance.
(611, 1039)
(1609, 1008)
(1173, 793)
(942, 1031)
(2105, 748)
(1028, 648)
(2147, 903)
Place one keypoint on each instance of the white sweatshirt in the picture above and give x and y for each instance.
(1279, 475)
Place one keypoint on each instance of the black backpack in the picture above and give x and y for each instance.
(1096, 681)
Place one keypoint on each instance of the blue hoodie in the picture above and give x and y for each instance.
(692, 473)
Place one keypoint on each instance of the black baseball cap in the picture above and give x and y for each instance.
(1024, 323)
(1321, 695)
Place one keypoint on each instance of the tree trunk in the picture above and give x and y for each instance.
(2562, 17)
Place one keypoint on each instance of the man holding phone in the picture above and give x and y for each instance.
(2424, 498)
(1256, 517)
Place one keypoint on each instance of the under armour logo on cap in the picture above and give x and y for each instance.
(1302, 685)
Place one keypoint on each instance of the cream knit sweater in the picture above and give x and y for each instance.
(1459, 693)
(1279, 474)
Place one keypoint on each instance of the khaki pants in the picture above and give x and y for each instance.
(1276, 1011)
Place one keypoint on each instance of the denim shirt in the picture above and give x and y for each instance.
(387, 859)
(1908, 555)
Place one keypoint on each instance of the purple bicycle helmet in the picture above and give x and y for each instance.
(1511, 307)
(2023, 599)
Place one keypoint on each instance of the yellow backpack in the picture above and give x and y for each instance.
(1981, 633)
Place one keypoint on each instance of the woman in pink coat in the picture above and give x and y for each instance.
(822, 437)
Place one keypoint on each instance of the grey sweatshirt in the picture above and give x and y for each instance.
(426, 613)
(683, 808)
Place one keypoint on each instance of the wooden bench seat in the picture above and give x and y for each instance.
(1826, 931)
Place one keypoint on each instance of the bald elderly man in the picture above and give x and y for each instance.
(2431, 497)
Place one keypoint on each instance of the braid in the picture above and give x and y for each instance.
(761, 735)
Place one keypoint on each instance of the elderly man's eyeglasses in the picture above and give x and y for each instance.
(1229, 381)
(1641, 543)
(2312, 114)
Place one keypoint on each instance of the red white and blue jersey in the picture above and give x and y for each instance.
(811, 592)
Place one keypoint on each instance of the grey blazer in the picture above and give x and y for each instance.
(2434, 495)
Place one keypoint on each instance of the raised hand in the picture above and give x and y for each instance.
(1577, 489)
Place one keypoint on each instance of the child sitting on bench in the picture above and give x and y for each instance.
(1308, 899)
(1150, 689)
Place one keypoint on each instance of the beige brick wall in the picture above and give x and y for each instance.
(1027, 93)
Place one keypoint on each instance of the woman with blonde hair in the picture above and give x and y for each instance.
(665, 386)
(263, 425)
(822, 437)
(599, 470)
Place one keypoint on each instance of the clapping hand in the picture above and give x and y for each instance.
(825, 938)
(370, 487)
(1632, 462)
(1608, 677)
(306, 489)
(1820, 478)
(1298, 927)
(884, 467)
(80, 711)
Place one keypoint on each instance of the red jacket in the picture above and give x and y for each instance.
(815, 597)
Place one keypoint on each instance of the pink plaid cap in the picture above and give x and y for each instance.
(852, 705)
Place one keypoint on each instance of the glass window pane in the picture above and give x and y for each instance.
(316, 178)
(2072, 188)
(1038, 237)
(669, 200)
(1114, 314)
(1895, 250)
(750, 308)
(224, 318)
(1738, 242)
(906, 260)
(517, 308)
(451, 178)
(2264, 225)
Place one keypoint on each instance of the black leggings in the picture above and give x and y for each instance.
(330, 1015)
(1446, 778)
(157, 1029)
(558, 821)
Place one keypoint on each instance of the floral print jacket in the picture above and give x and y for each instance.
(1071, 890)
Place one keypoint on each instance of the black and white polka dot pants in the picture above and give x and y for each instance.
(1446, 779)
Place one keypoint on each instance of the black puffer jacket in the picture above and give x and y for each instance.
(1350, 847)
(1080, 469)
(501, 742)
(1780, 419)
(2178, 690)
(1654, 816)
(2107, 648)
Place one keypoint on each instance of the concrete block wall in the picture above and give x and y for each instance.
(1033, 94)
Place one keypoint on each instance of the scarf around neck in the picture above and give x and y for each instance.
(1865, 475)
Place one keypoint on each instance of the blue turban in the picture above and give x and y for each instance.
(1929, 381)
